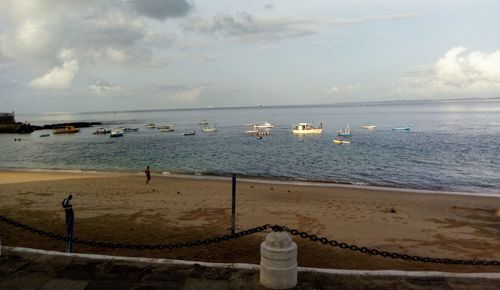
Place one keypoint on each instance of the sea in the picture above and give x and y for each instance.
(451, 146)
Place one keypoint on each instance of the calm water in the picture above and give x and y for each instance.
(451, 146)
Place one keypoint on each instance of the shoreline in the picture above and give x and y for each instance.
(259, 180)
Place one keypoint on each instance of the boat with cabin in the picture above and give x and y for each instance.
(66, 130)
(307, 128)
(166, 128)
(264, 125)
(209, 128)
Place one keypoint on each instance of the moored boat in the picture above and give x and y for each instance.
(339, 141)
(265, 125)
(345, 132)
(151, 125)
(190, 133)
(369, 127)
(203, 122)
(307, 128)
(130, 129)
(66, 130)
(102, 131)
(210, 128)
(401, 128)
(166, 128)
(116, 133)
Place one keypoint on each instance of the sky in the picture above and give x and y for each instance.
(89, 55)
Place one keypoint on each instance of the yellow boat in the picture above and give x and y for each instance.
(66, 130)
(337, 141)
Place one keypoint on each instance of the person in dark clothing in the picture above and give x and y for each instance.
(148, 175)
(70, 217)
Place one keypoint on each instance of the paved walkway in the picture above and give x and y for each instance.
(25, 269)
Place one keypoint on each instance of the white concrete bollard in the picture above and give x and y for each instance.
(278, 261)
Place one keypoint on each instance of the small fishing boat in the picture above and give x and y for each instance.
(151, 125)
(265, 125)
(345, 132)
(203, 122)
(339, 141)
(369, 127)
(190, 133)
(116, 133)
(45, 135)
(130, 129)
(66, 130)
(210, 128)
(259, 131)
(401, 128)
(307, 128)
(102, 131)
(166, 128)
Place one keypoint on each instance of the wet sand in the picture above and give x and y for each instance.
(120, 207)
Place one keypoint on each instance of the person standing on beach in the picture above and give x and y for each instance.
(148, 175)
(70, 217)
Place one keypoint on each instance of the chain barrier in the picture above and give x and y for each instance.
(385, 254)
(112, 245)
(276, 228)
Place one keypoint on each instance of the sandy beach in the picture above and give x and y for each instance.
(120, 207)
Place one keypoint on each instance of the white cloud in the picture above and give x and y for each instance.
(343, 89)
(59, 77)
(458, 72)
(103, 88)
(189, 95)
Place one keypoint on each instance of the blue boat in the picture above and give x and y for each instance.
(344, 132)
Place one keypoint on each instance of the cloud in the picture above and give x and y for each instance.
(458, 72)
(103, 88)
(344, 89)
(189, 95)
(244, 26)
(59, 77)
(162, 9)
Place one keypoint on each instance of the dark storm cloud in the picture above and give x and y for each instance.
(162, 9)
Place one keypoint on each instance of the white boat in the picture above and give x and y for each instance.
(166, 128)
(259, 131)
(264, 125)
(151, 125)
(369, 127)
(306, 128)
(203, 122)
(102, 131)
(116, 133)
(339, 141)
(211, 128)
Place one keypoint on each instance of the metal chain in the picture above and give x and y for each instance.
(276, 228)
(385, 254)
(136, 246)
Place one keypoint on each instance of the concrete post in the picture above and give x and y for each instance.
(278, 261)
